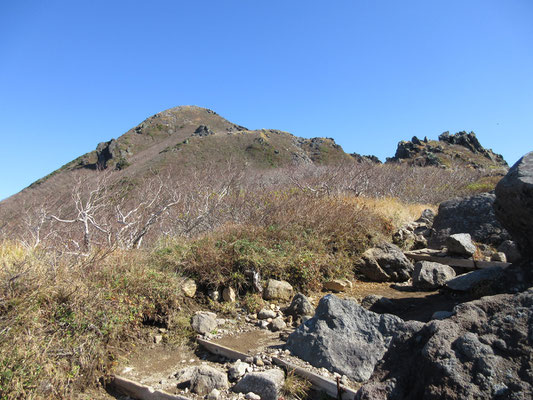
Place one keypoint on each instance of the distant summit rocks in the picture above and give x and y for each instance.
(451, 150)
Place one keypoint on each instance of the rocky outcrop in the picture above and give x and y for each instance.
(514, 203)
(365, 159)
(473, 215)
(449, 150)
(385, 262)
(345, 337)
(107, 152)
(203, 130)
(483, 351)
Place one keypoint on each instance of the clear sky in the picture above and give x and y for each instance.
(367, 73)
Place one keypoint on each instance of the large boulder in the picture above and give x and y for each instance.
(431, 275)
(514, 203)
(473, 215)
(483, 351)
(345, 337)
(385, 262)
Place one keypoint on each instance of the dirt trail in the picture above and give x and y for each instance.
(155, 365)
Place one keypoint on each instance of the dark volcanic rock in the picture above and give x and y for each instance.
(473, 215)
(514, 203)
(431, 275)
(385, 262)
(203, 130)
(107, 151)
(483, 351)
(345, 337)
(300, 306)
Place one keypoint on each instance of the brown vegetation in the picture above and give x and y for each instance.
(81, 273)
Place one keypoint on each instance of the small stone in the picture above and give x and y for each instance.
(213, 395)
(189, 288)
(214, 295)
(499, 256)
(266, 313)
(258, 361)
(337, 285)
(237, 370)
(277, 324)
(158, 339)
(252, 396)
(228, 294)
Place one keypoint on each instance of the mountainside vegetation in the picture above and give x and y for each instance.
(102, 247)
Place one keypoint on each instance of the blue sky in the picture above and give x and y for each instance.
(367, 73)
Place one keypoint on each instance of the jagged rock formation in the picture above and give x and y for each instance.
(481, 352)
(514, 203)
(460, 149)
(345, 337)
(473, 215)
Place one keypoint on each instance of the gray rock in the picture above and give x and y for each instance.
(252, 396)
(265, 384)
(204, 322)
(461, 244)
(277, 324)
(514, 203)
(481, 352)
(237, 370)
(378, 304)
(300, 306)
(278, 290)
(469, 281)
(344, 337)
(431, 275)
(473, 215)
(385, 262)
(206, 378)
(184, 376)
(499, 256)
(427, 217)
(214, 395)
(510, 249)
(266, 313)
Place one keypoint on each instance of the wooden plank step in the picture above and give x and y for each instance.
(222, 350)
(326, 385)
(469, 263)
(138, 391)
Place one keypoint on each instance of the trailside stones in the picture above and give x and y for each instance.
(204, 322)
(514, 203)
(278, 290)
(265, 384)
(385, 262)
(337, 285)
(344, 337)
(431, 275)
(461, 244)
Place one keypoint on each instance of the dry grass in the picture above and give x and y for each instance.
(62, 321)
